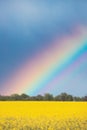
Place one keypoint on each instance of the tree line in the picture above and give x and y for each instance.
(45, 97)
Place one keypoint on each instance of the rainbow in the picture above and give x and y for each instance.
(46, 70)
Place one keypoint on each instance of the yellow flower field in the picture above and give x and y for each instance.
(43, 115)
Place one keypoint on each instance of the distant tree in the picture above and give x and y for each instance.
(4, 98)
(39, 98)
(0, 97)
(64, 97)
(69, 98)
(77, 98)
(15, 97)
(48, 97)
(33, 98)
(57, 98)
(84, 98)
(24, 96)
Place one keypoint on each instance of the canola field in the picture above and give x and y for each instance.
(43, 115)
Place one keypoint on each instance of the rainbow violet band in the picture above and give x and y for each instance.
(53, 69)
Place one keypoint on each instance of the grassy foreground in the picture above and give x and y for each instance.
(43, 115)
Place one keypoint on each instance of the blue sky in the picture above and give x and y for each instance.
(27, 26)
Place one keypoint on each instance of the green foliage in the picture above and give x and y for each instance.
(64, 97)
(39, 98)
(47, 97)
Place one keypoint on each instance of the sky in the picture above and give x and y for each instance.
(43, 47)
